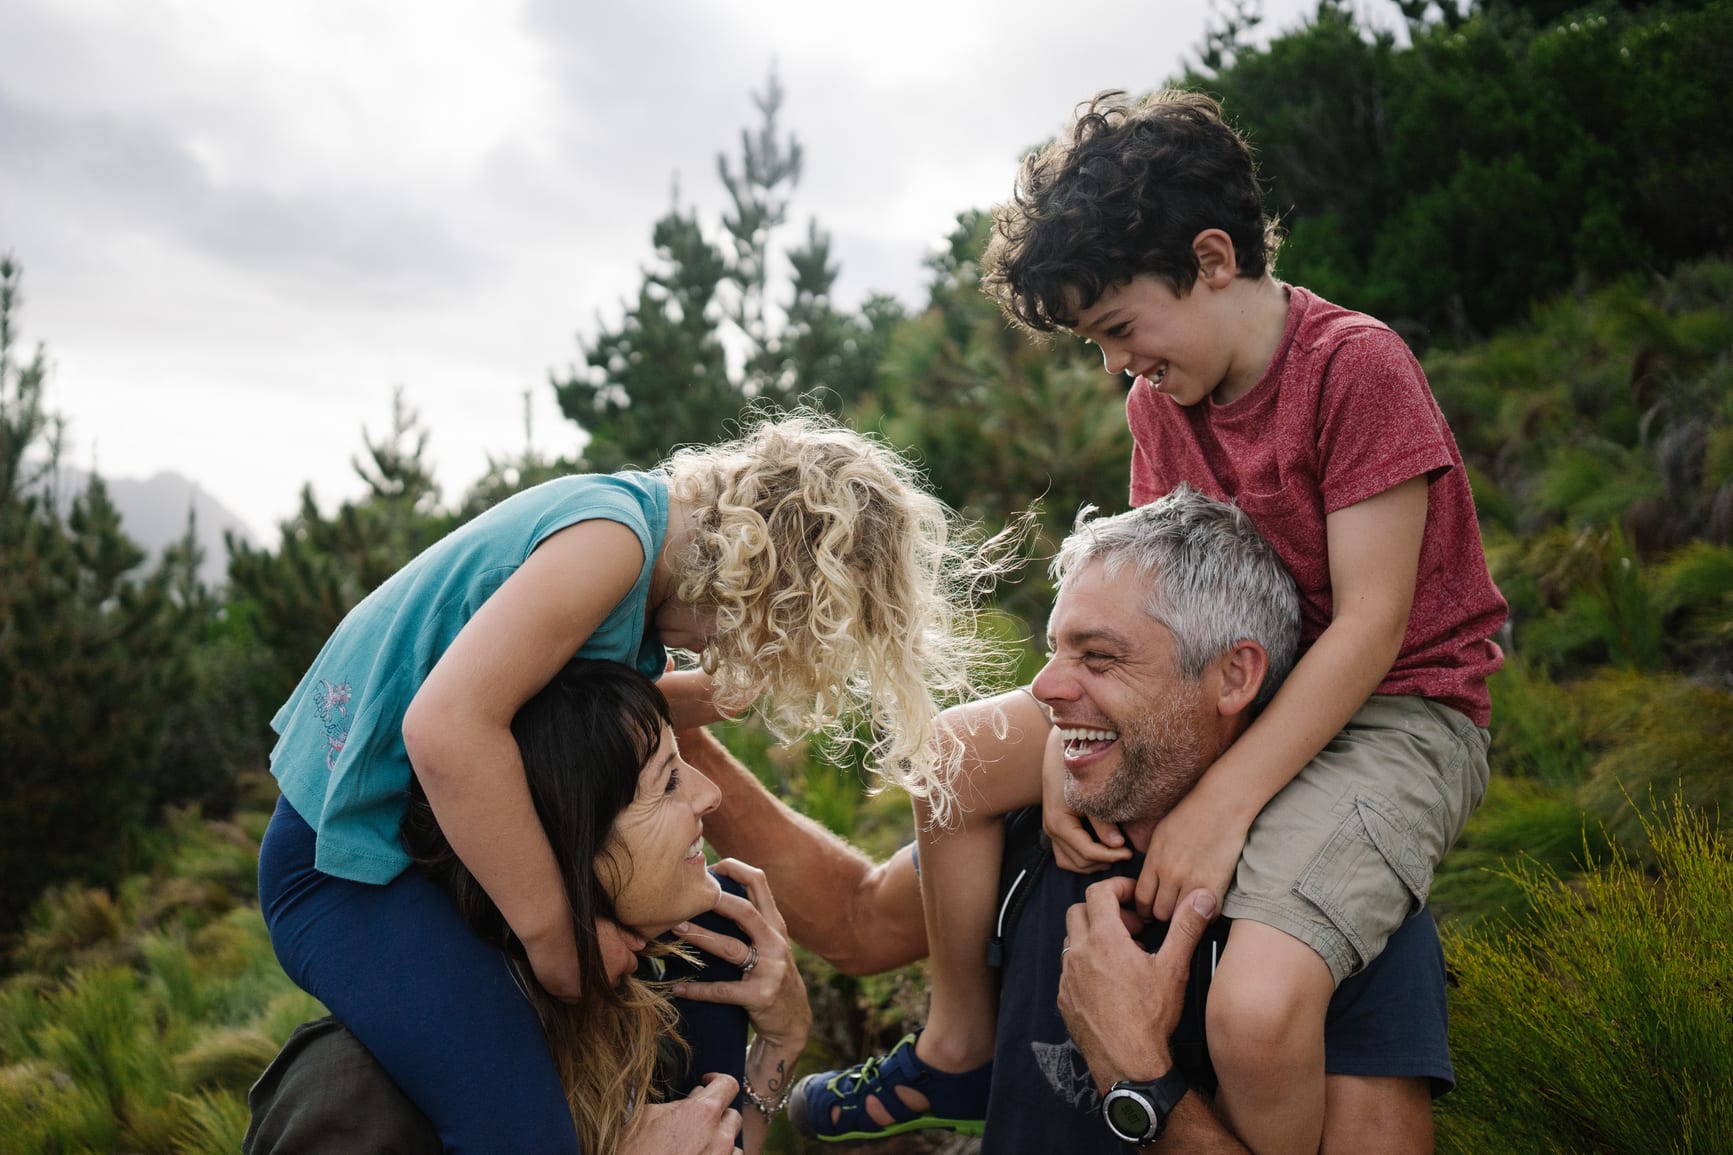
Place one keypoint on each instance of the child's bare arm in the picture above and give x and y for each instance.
(1374, 551)
(458, 729)
(1074, 848)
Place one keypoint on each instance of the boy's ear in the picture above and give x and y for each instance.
(1217, 263)
(1241, 675)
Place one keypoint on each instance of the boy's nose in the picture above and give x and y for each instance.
(1115, 359)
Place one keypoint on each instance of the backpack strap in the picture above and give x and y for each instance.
(1028, 853)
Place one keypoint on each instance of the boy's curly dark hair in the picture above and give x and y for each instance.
(1125, 194)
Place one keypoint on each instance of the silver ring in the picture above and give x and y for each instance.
(751, 959)
(1063, 951)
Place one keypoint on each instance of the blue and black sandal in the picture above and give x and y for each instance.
(957, 1102)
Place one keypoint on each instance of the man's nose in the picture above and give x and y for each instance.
(1051, 685)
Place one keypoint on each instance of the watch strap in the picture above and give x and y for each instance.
(1155, 1097)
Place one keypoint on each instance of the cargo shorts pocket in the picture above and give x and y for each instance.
(1370, 876)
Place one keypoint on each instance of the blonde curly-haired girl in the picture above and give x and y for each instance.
(804, 563)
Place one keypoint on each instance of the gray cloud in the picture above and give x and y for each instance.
(94, 173)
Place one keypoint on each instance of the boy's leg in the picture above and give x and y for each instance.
(1265, 1025)
(1331, 869)
(439, 1008)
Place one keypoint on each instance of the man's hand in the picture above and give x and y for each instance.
(1120, 1002)
(691, 701)
(1192, 847)
(1074, 848)
(703, 1123)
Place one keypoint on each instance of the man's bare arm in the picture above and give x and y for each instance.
(859, 916)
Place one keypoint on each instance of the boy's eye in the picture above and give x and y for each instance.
(1119, 331)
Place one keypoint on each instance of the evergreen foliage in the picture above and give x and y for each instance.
(289, 601)
(140, 1016)
(1504, 154)
(703, 340)
(93, 657)
(1604, 1022)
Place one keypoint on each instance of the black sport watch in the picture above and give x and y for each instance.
(1137, 1112)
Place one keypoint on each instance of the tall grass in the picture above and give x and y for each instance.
(138, 1018)
(1604, 1021)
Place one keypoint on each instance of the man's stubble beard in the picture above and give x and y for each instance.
(1161, 756)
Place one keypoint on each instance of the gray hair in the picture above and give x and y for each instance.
(1213, 579)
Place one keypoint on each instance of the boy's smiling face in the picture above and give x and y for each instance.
(1167, 340)
(1216, 339)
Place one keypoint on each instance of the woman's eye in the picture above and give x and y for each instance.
(673, 782)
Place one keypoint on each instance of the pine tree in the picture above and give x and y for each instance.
(93, 656)
(704, 339)
(660, 378)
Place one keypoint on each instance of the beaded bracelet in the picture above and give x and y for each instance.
(766, 1107)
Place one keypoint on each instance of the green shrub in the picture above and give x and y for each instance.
(1662, 737)
(146, 1013)
(1536, 726)
(1603, 1022)
(1523, 820)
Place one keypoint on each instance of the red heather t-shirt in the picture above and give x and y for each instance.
(1342, 414)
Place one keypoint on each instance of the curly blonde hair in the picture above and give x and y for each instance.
(842, 589)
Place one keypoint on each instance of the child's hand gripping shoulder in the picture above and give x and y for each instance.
(1196, 847)
(1074, 846)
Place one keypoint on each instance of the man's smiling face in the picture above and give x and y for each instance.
(1137, 732)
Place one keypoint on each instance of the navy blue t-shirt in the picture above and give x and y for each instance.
(1387, 1020)
(715, 1032)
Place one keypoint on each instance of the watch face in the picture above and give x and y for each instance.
(1128, 1115)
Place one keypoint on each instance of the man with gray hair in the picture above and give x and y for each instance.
(1173, 624)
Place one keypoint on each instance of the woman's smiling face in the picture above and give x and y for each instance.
(654, 869)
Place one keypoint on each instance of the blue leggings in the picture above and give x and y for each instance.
(436, 1005)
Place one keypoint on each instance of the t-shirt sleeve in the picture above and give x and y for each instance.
(599, 503)
(1378, 424)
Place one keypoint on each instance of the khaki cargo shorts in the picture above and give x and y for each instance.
(1345, 853)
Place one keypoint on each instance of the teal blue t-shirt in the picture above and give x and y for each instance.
(339, 756)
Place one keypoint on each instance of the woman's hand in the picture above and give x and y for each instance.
(703, 1123)
(771, 992)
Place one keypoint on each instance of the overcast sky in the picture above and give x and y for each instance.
(242, 224)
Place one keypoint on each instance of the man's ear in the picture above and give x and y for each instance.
(1242, 670)
(1217, 263)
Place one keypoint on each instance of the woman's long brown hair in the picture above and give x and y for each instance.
(584, 738)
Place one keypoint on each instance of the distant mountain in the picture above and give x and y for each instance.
(153, 513)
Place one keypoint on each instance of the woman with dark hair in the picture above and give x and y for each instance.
(624, 814)
(805, 565)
